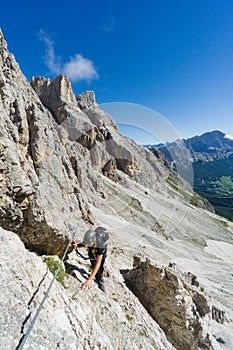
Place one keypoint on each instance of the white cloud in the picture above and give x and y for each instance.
(77, 68)
(228, 136)
(51, 60)
(80, 68)
(109, 25)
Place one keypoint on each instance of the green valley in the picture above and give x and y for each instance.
(214, 181)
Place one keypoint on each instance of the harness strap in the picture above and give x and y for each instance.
(82, 256)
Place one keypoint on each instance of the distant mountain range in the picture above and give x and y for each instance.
(212, 158)
(210, 146)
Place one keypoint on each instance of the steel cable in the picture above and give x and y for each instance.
(26, 335)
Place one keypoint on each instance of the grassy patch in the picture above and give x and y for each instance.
(135, 204)
(52, 266)
(74, 297)
(198, 201)
(129, 318)
(194, 199)
(174, 183)
(143, 333)
(112, 189)
(199, 242)
(221, 222)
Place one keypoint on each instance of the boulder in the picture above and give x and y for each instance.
(181, 310)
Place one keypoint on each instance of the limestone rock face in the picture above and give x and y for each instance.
(54, 148)
(95, 130)
(71, 318)
(37, 177)
(22, 290)
(59, 98)
(181, 311)
(87, 100)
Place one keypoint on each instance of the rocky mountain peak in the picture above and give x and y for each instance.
(8, 64)
(53, 155)
(213, 143)
(87, 100)
(3, 43)
(55, 94)
(65, 168)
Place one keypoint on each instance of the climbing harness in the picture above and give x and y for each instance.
(81, 255)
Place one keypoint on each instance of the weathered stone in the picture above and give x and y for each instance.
(218, 315)
(86, 100)
(180, 311)
(70, 317)
(192, 279)
(110, 170)
(40, 191)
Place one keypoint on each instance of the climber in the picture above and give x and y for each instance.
(95, 241)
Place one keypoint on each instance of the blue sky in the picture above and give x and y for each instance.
(174, 57)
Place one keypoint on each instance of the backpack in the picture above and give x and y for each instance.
(102, 236)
